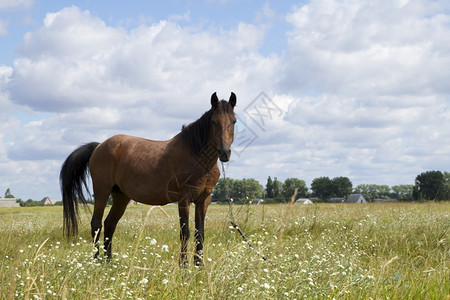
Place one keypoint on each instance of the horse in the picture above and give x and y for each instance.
(181, 170)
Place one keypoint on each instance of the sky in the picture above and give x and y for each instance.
(330, 88)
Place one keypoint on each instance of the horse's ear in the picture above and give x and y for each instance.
(232, 100)
(214, 100)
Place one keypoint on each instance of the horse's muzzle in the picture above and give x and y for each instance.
(224, 155)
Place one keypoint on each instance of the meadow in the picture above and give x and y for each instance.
(320, 251)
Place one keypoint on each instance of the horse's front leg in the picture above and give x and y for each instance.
(200, 213)
(183, 211)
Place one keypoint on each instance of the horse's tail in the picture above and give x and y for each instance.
(72, 179)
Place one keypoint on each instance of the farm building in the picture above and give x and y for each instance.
(383, 200)
(336, 200)
(46, 201)
(356, 198)
(257, 201)
(303, 201)
(8, 202)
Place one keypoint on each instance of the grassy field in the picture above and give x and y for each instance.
(361, 251)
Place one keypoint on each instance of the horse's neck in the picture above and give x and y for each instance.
(203, 161)
(207, 157)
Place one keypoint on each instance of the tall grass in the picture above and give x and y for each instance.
(368, 251)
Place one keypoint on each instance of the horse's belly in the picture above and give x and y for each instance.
(153, 192)
(183, 187)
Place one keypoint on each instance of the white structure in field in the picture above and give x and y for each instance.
(8, 202)
(356, 198)
(303, 201)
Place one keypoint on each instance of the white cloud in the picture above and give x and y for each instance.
(3, 28)
(11, 4)
(76, 61)
(370, 89)
(360, 48)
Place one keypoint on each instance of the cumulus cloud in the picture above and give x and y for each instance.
(369, 88)
(360, 48)
(75, 60)
(10, 4)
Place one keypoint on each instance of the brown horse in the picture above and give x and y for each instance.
(183, 170)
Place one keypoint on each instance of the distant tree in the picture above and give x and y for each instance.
(269, 188)
(446, 189)
(342, 187)
(241, 191)
(429, 186)
(29, 203)
(322, 187)
(222, 190)
(363, 189)
(403, 192)
(277, 188)
(373, 191)
(289, 186)
(384, 191)
(8, 194)
(247, 189)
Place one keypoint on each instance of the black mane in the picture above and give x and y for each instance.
(196, 134)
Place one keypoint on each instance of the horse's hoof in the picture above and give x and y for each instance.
(184, 264)
(199, 262)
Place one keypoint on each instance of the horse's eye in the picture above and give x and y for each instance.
(233, 122)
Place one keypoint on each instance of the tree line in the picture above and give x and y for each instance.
(430, 185)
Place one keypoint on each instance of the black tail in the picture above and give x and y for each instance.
(72, 180)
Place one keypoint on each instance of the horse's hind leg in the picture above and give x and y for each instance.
(96, 222)
(120, 202)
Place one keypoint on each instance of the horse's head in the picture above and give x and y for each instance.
(222, 121)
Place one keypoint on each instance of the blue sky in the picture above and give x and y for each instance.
(360, 88)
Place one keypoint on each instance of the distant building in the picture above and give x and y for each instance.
(356, 198)
(336, 200)
(9, 202)
(303, 201)
(46, 201)
(384, 200)
(257, 201)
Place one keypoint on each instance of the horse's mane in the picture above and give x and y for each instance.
(196, 134)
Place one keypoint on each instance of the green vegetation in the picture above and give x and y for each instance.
(8, 194)
(323, 251)
(428, 186)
